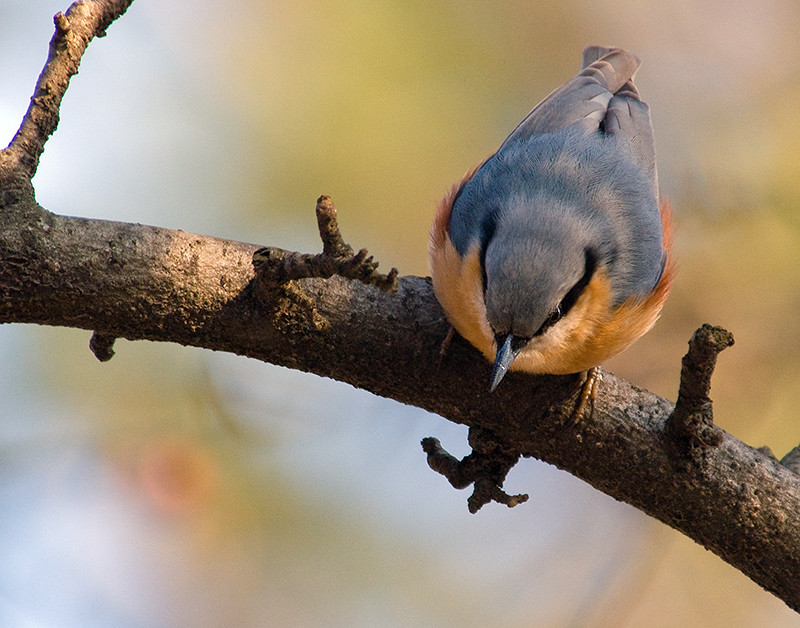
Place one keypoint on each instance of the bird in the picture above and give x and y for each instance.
(555, 253)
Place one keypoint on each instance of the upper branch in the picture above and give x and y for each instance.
(74, 30)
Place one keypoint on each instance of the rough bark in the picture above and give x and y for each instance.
(140, 282)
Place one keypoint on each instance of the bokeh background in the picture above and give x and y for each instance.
(180, 487)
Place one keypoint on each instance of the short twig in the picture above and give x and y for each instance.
(458, 472)
(693, 418)
(486, 467)
(337, 257)
(333, 243)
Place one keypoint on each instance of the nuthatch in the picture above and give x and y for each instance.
(554, 254)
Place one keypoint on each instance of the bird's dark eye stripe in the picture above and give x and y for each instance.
(563, 308)
(488, 227)
(572, 296)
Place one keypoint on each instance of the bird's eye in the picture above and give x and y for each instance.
(555, 316)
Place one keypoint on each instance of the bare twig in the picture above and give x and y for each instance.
(333, 244)
(337, 258)
(457, 472)
(486, 467)
(74, 30)
(693, 417)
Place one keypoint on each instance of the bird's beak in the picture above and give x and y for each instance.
(505, 356)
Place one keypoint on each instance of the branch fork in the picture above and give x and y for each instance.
(486, 467)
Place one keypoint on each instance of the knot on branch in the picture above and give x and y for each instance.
(102, 345)
(692, 421)
(337, 258)
(486, 467)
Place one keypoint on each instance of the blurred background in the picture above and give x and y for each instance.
(173, 486)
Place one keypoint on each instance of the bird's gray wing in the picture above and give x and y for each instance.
(628, 119)
(584, 99)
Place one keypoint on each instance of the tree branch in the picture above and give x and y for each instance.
(82, 22)
(140, 282)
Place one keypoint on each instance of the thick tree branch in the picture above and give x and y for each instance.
(140, 282)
